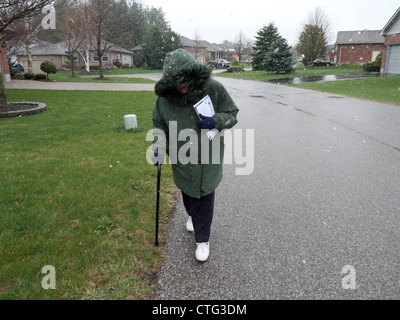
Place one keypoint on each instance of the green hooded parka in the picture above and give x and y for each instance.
(174, 114)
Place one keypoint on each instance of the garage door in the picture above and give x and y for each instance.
(393, 60)
(35, 65)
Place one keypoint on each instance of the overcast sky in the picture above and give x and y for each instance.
(219, 20)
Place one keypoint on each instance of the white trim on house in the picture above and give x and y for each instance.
(393, 25)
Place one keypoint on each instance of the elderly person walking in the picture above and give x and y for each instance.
(184, 83)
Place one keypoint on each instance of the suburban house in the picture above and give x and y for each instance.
(196, 48)
(214, 51)
(57, 53)
(359, 46)
(391, 53)
(4, 67)
(202, 50)
(208, 51)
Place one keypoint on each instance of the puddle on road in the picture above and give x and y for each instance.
(326, 78)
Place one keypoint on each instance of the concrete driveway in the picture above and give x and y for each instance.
(319, 216)
(40, 85)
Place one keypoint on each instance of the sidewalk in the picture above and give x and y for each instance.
(40, 85)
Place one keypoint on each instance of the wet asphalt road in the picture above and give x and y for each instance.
(324, 197)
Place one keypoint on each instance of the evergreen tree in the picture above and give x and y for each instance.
(157, 44)
(137, 23)
(279, 59)
(264, 39)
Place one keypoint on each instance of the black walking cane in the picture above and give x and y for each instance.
(158, 203)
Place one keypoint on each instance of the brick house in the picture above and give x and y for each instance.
(197, 49)
(391, 54)
(4, 67)
(359, 46)
(56, 53)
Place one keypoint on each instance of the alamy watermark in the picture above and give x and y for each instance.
(238, 147)
(49, 280)
(349, 280)
(49, 20)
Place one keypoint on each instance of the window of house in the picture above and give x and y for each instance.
(68, 58)
(96, 57)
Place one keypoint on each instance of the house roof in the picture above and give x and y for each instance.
(120, 50)
(360, 37)
(60, 49)
(226, 46)
(210, 46)
(392, 20)
(186, 42)
(49, 49)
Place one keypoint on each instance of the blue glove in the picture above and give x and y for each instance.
(206, 122)
(158, 158)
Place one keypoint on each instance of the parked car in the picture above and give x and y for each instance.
(219, 64)
(17, 67)
(321, 63)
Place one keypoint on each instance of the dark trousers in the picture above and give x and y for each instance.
(202, 211)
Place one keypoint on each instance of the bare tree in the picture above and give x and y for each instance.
(197, 44)
(97, 12)
(102, 26)
(318, 17)
(74, 37)
(27, 32)
(243, 46)
(10, 11)
(313, 38)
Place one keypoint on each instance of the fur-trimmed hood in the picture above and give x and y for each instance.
(181, 67)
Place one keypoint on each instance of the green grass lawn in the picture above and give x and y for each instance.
(66, 77)
(78, 194)
(381, 89)
(84, 77)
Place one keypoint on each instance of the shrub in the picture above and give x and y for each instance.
(28, 75)
(39, 76)
(235, 69)
(374, 66)
(48, 67)
(13, 73)
(235, 63)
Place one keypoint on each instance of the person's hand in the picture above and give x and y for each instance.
(206, 122)
(158, 159)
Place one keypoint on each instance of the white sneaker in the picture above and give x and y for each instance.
(203, 251)
(189, 225)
